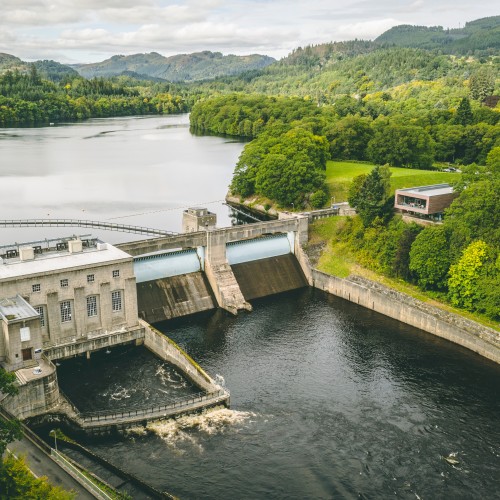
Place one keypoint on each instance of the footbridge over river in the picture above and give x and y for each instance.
(193, 272)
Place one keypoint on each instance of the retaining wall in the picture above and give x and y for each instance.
(34, 397)
(169, 351)
(484, 341)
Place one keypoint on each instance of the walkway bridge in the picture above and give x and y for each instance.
(103, 420)
(110, 226)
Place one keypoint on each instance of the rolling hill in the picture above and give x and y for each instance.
(481, 36)
(179, 68)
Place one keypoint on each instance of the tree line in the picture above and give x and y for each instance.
(28, 99)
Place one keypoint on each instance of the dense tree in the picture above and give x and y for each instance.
(369, 194)
(464, 114)
(482, 83)
(17, 482)
(287, 166)
(474, 280)
(474, 215)
(349, 137)
(9, 429)
(401, 146)
(429, 258)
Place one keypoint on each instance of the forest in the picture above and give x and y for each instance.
(377, 102)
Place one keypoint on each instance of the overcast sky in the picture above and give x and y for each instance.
(92, 30)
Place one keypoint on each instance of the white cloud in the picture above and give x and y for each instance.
(92, 30)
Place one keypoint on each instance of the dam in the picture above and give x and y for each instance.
(72, 296)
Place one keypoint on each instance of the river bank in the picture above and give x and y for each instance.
(398, 305)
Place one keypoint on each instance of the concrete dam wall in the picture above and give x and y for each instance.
(177, 283)
(173, 297)
(260, 278)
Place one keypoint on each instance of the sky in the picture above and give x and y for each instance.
(84, 31)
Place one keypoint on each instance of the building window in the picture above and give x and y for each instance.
(92, 306)
(90, 278)
(36, 288)
(116, 301)
(41, 313)
(64, 283)
(65, 311)
(116, 273)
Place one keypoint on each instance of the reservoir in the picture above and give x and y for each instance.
(328, 400)
(141, 171)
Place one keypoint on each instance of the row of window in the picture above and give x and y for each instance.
(67, 312)
(65, 283)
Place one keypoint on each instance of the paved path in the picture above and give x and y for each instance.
(42, 465)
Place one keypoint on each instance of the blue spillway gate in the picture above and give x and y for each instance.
(166, 264)
(260, 248)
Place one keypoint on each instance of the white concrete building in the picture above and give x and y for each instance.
(58, 292)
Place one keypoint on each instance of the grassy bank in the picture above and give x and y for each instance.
(339, 175)
(335, 257)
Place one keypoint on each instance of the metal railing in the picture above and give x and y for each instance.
(84, 223)
(81, 478)
(163, 410)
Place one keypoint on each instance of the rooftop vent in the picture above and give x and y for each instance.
(26, 253)
(75, 246)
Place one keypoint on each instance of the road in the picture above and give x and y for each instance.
(42, 465)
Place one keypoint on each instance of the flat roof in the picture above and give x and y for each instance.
(16, 309)
(433, 190)
(59, 260)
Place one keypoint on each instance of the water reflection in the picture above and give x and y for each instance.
(145, 170)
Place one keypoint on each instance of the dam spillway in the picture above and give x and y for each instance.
(264, 277)
(177, 283)
(174, 296)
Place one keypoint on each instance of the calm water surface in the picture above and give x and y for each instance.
(328, 401)
(137, 170)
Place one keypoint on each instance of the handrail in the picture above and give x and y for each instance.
(98, 416)
(82, 478)
(84, 223)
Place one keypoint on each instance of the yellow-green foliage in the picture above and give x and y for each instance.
(17, 483)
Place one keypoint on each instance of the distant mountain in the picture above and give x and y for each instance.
(53, 70)
(179, 68)
(50, 70)
(481, 36)
(8, 62)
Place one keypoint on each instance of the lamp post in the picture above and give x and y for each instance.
(54, 433)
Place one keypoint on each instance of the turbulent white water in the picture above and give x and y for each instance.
(190, 428)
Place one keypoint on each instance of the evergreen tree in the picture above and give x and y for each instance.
(464, 114)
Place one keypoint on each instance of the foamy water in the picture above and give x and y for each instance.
(190, 428)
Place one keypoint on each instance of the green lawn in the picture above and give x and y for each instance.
(339, 175)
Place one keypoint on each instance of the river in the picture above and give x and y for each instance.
(328, 400)
(141, 171)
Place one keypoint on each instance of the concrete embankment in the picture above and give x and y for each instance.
(482, 340)
(169, 351)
